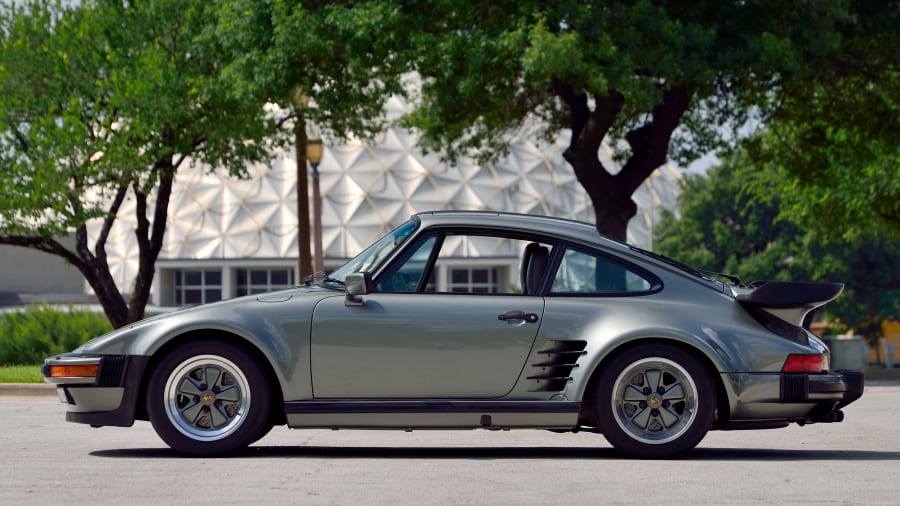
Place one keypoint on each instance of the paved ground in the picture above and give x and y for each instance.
(44, 460)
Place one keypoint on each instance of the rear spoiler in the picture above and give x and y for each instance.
(790, 301)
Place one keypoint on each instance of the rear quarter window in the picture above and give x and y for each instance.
(583, 272)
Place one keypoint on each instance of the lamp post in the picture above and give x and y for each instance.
(304, 258)
(314, 150)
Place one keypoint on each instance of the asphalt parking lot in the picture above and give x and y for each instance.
(46, 460)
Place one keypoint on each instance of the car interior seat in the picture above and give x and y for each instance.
(534, 265)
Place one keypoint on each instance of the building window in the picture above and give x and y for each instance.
(473, 280)
(250, 281)
(197, 286)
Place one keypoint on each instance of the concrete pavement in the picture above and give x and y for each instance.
(48, 461)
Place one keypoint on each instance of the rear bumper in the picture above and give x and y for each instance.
(853, 383)
(836, 386)
(792, 397)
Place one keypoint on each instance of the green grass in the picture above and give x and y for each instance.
(21, 374)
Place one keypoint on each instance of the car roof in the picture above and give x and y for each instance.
(577, 231)
(557, 227)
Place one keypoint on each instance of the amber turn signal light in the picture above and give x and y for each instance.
(74, 371)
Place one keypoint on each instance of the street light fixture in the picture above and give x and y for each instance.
(314, 150)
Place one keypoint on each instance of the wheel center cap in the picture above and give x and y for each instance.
(654, 401)
(207, 398)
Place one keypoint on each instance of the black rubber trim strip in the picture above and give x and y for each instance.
(827, 385)
(430, 406)
(855, 385)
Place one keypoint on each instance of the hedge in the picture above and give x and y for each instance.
(28, 337)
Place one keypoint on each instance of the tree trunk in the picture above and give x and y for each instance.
(108, 295)
(94, 270)
(611, 194)
(150, 236)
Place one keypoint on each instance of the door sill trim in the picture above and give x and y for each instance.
(429, 406)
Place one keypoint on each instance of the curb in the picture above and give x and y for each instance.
(34, 390)
(882, 376)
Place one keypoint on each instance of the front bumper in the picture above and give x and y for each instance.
(109, 398)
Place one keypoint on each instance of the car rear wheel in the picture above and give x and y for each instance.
(209, 397)
(655, 401)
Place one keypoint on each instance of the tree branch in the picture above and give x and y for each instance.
(650, 142)
(109, 221)
(46, 245)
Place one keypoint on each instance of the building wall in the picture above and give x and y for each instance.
(28, 275)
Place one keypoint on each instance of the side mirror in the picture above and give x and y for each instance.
(358, 284)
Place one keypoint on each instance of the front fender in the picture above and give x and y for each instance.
(278, 330)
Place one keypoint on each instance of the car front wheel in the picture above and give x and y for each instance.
(655, 401)
(209, 397)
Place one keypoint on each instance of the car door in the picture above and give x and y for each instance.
(419, 335)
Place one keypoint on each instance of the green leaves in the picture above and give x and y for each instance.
(31, 336)
(343, 58)
(728, 224)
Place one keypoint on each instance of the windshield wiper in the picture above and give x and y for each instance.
(329, 279)
(308, 280)
(671, 261)
(734, 279)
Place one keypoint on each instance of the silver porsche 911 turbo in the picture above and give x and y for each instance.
(462, 320)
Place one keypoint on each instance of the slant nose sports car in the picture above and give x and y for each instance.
(462, 320)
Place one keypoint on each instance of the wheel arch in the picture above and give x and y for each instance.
(723, 393)
(278, 416)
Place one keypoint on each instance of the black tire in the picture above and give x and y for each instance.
(655, 401)
(209, 397)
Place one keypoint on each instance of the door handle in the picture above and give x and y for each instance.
(518, 315)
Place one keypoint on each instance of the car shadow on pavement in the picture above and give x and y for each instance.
(508, 453)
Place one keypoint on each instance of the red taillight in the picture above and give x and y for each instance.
(806, 363)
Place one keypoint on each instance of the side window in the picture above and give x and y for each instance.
(589, 273)
(484, 264)
(405, 278)
(468, 263)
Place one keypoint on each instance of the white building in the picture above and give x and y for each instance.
(229, 237)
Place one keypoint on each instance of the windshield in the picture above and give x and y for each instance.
(371, 257)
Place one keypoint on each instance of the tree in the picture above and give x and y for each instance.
(725, 228)
(103, 100)
(330, 64)
(660, 79)
(833, 147)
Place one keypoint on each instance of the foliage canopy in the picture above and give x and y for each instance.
(725, 228)
(832, 150)
(104, 100)
(663, 80)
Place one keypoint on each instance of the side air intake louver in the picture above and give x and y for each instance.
(554, 367)
(112, 367)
